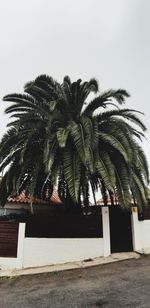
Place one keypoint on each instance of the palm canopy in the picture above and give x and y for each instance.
(58, 136)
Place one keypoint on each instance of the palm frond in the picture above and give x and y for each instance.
(101, 100)
(115, 143)
(62, 135)
(105, 169)
(71, 169)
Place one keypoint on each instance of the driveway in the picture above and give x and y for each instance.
(116, 285)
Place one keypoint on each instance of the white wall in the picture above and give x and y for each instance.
(8, 263)
(45, 251)
(34, 252)
(141, 233)
(145, 232)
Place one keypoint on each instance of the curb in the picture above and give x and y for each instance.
(116, 257)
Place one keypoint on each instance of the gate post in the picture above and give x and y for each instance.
(20, 249)
(136, 230)
(106, 230)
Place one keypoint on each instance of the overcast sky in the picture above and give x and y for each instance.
(106, 39)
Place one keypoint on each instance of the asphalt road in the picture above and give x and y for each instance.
(117, 285)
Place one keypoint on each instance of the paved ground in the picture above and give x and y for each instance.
(114, 257)
(117, 285)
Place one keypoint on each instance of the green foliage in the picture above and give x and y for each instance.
(56, 136)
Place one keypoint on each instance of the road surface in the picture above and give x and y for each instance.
(116, 285)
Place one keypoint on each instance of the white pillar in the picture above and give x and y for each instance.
(136, 230)
(20, 249)
(106, 230)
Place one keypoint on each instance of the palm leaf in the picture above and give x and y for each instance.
(62, 135)
(105, 169)
(114, 143)
(71, 169)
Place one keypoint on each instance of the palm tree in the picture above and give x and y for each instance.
(58, 136)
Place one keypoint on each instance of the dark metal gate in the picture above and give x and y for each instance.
(120, 229)
(56, 223)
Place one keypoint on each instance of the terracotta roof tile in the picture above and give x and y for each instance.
(23, 198)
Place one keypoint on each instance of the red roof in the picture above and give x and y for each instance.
(23, 198)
